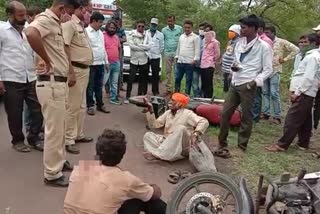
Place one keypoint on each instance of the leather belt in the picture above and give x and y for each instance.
(79, 65)
(46, 78)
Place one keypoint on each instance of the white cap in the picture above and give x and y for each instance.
(154, 21)
(236, 29)
(316, 28)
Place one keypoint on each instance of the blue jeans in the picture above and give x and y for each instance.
(256, 110)
(196, 82)
(271, 94)
(95, 85)
(183, 68)
(26, 116)
(114, 79)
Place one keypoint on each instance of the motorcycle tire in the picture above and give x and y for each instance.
(200, 178)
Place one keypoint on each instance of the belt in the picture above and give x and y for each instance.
(79, 65)
(46, 78)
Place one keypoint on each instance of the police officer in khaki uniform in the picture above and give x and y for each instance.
(81, 56)
(45, 38)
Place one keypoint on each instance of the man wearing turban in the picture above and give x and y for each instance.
(181, 128)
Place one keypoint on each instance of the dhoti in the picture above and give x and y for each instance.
(169, 148)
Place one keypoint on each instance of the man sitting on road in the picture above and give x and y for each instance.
(102, 187)
(181, 127)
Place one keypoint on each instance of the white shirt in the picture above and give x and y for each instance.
(96, 38)
(156, 43)
(138, 49)
(256, 65)
(16, 56)
(306, 78)
(188, 48)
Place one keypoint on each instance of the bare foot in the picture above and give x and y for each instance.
(148, 156)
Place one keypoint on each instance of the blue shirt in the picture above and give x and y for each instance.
(171, 39)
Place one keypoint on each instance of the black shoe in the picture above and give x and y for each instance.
(37, 145)
(59, 182)
(72, 149)
(84, 140)
(103, 109)
(67, 167)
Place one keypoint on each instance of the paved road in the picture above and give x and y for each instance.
(21, 175)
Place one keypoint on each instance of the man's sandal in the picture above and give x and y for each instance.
(222, 153)
(177, 175)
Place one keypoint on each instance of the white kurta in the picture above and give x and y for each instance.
(178, 129)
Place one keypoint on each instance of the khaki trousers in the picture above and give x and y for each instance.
(52, 98)
(170, 67)
(76, 106)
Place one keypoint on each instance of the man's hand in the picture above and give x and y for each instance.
(193, 63)
(72, 80)
(107, 67)
(281, 60)
(2, 88)
(195, 138)
(295, 98)
(156, 192)
(251, 85)
(148, 104)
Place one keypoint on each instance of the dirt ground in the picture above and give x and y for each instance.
(21, 175)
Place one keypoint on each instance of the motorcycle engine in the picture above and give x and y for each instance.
(297, 199)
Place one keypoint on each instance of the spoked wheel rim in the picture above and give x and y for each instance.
(194, 182)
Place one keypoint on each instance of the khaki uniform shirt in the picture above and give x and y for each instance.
(77, 39)
(49, 26)
(100, 189)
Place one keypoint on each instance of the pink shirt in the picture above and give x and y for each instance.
(112, 45)
(210, 54)
(265, 38)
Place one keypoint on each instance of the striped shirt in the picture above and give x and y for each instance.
(228, 56)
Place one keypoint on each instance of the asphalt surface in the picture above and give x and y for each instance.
(21, 175)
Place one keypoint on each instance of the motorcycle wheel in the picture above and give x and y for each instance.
(204, 178)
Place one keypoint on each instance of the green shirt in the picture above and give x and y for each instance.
(171, 39)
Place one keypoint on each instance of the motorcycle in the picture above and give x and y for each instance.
(204, 201)
(299, 195)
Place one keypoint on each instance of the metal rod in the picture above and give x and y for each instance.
(258, 199)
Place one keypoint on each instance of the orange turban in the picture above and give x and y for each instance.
(181, 99)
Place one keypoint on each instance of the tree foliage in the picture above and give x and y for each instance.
(291, 17)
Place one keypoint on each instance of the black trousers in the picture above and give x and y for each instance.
(226, 82)
(136, 206)
(95, 85)
(155, 68)
(316, 111)
(143, 79)
(298, 122)
(16, 94)
(207, 82)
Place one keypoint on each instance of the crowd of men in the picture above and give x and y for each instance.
(56, 64)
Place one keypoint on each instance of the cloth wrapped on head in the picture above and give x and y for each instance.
(181, 99)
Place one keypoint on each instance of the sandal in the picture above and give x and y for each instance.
(177, 175)
(174, 177)
(185, 174)
(222, 153)
(21, 147)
